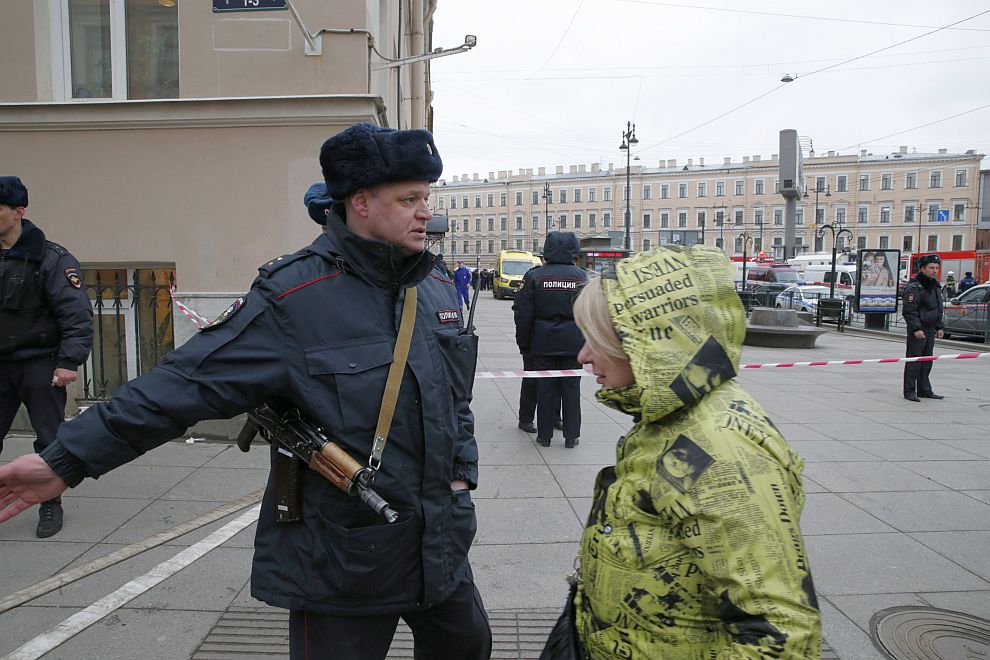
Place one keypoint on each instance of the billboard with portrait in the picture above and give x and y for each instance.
(876, 281)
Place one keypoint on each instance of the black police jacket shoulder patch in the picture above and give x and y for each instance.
(226, 314)
(58, 249)
(281, 262)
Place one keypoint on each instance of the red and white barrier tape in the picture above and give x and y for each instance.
(771, 365)
(197, 319)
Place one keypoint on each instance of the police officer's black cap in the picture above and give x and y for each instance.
(12, 191)
(365, 155)
(928, 259)
(317, 202)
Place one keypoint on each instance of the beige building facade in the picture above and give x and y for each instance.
(171, 141)
(900, 200)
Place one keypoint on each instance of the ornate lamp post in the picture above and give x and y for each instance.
(835, 237)
(746, 238)
(818, 189)
(546, 199)
(628, 140)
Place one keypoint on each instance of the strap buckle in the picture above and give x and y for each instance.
(375, 458)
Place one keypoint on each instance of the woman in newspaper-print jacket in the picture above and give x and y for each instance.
(693, 548)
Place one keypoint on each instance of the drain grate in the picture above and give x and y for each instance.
(928, 633)
(262, 633)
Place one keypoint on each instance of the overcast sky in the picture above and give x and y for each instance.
(553, 82)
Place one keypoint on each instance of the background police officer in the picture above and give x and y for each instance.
(319, 327)
(546, 332)
(47, 328)
(922, 311)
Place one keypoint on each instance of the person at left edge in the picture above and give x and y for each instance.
(47, 329)
(318, 327)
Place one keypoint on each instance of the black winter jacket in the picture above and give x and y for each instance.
(544, 306)
(923, 306)
(44, 310)
(318, 328)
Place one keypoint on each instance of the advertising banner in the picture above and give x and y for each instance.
(876, 281)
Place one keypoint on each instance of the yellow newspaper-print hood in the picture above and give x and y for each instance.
(681, 324)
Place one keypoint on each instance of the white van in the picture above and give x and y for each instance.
(845, 274)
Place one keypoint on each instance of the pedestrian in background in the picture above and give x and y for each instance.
(345, 574)
(546, 332)
(922, 311)
(462, 278)
(967, 283)
(46, 329)
(693, 547)
(442, 265)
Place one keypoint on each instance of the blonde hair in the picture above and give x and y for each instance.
(592, 317)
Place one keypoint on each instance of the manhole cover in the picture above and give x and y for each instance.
(927, 633)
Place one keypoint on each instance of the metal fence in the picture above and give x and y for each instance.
(132, 326)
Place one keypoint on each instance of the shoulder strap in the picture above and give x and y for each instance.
(394, 381)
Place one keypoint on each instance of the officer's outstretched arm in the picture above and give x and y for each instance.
(24, 482)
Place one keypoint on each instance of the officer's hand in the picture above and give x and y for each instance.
(24, 482)
(939, 334)
(63, 377)
(920, 334)
(459, 484)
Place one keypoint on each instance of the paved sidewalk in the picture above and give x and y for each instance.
(898, 504)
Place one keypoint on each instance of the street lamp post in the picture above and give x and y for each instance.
(546, 199)
(719, 212)
(746, 238)
(628, 140)
(820, 233)
(818, 189)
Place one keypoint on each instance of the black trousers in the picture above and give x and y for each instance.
(527, 393)
(456, 629)
(30, 382)
(553, 394)
(916, 373)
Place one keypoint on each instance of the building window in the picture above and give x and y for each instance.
(577, 220)
(799, 217)
(681, 190)
(536, 222)
(664, 191)
(519, 243)
(536, 197)
(719, 243)
(577, 194)
(961, 178)
(885, 215)
(504, 244)
(491, 224)
(932, 211)
(864, 182)
(465, 250)
(907, 244)
(959, 212)
(861, 242)
(536, 245)
(682, 218)
(646, 244)
(820, 184)
(702, 190)
(491, 245)
(519, 198)
(664, 220)
(757, 217)
(720, 188)
(702, 217)
(646, 220)
(957, 242)
(465, 221)
(453, 201)
(519, 221)
(819, 216)
(592, 194)
(592, 220)
(863, 215)
(477, 201)
(909, 213)
(464, 202)
(477, 247)
(563, 221)
(740, 189)
(719, 219)
(932, 243)
(884, 242)
(935, 179)
(647, 192)
(503, 223)
(841, 183)
(477, 224)
(440, 202)
(886, 182)
(502, 199)
(738, 244)
(910, 180)
(840, 216)
(759, 187)
(607, 194)
(491, 200)
(563, 196)
(776, 186)
(606, 219)
(739, 217)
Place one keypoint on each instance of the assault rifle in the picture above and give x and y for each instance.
(296, 437)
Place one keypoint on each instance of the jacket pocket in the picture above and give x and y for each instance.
(358, 373)
(369, 562)
(463, 526)
(459, 354)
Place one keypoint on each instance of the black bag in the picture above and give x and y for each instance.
(563, 642)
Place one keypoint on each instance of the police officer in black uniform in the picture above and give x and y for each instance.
(546, 332)
(46, 328)
(319, 328)
(922, 311)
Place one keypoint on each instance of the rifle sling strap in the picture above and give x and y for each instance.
(394, 381)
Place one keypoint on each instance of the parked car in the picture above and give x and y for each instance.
(802, 297)
(968, 315)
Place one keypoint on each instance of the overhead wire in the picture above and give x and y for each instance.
(908, 130)
(562, 37)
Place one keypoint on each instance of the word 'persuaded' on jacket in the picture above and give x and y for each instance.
(693, 548)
